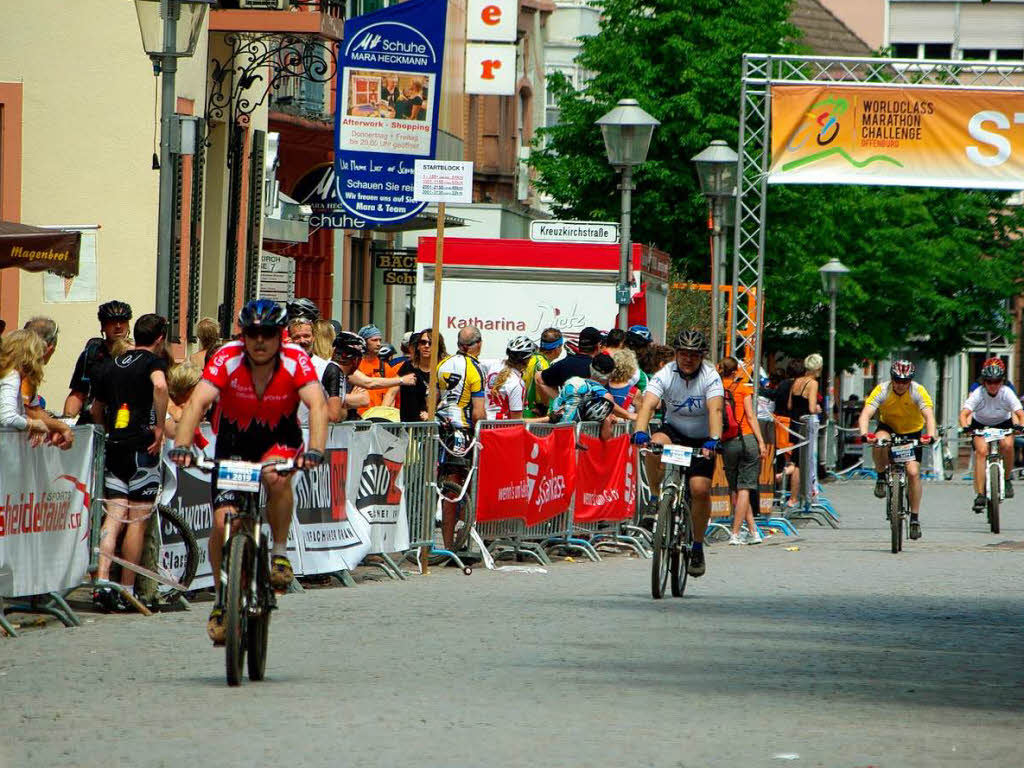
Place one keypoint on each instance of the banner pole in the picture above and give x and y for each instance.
(435, 334)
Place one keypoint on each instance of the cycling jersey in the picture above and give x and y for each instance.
(992, 410)
(459, 379)
(124, 385)
(686, 400)
(510, 396)
(537, 363)
(571, 395)
(901, 412)
(249, 425)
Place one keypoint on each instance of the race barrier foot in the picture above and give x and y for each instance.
(453, 557)
(518, 550)
(619, 541)
(639, 533)
(389, 566)
(65, 609)
(579, 546)
(783, 523)
(344, 576)
(5, 625)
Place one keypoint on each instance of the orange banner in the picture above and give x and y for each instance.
(926, 137)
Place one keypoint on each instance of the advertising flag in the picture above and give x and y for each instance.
(389, 90)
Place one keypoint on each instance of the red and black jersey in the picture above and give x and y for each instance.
(248, 425)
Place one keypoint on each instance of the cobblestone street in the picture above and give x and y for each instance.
(836, 654)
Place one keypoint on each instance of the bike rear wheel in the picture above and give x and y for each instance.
(661, 553)
(995, 483)
(172, 521)
(236, 605)
(258, 629)
(681, 550)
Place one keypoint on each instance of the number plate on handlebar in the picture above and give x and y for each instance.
(903, 453)
(680, 455)
(238, 476)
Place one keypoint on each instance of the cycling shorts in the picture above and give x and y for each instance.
(918, 451)
(131, 474)
(228, 498)
(700, 465)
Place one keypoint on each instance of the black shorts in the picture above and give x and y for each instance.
(918, 451)
(131, 474)
(700, 465)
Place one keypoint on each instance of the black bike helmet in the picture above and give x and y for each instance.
(303, 309)
(348, 344)
(595, 408)
(114, 310)
(690, 341)
(262, 313)
(386, 352)
(902, 369)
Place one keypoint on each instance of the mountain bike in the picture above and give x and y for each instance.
(995, 487)
(673, 530)
(897, 500)
(244, 579)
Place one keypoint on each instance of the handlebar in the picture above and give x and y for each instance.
(209, 465)
(883, 442)
(1016, 429)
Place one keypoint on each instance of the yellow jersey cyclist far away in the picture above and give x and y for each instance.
(901, 412)
(460, 379)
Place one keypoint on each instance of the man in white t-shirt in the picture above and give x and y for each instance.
(993, 404)
(692, 393)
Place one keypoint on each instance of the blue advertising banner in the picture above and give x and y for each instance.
(389, 90)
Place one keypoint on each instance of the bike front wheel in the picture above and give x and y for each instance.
(661, 554)
(995, 484)
(680, 560)
(258, 629)
(895, 504)
(236, 605)
(171, 525)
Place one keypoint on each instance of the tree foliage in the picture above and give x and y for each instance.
(927, 266)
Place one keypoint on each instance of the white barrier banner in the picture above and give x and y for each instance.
(376, 492)
(45, 495)
(327, 537)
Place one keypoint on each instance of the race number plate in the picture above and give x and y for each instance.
(680, 455)
(238, 476)
(992, 435)
(903, 453)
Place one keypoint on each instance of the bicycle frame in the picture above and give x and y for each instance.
(992, 438)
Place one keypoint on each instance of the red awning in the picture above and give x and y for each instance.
(39, 250)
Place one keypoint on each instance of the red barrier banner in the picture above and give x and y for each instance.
(606, 479)
(503, 488)
(551, 468)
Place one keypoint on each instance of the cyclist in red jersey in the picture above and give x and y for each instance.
(257, 383)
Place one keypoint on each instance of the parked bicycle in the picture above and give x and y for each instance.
(897, 499)
(247, 596)
(948, 437)
(176, 566)
(454, 479)
(995, 486)
(673, 529)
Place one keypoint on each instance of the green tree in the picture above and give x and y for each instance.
(681, 60)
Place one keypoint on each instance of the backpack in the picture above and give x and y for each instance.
(730, 424)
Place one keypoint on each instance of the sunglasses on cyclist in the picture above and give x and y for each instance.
(262, 332)
(993, 381)
(902, 381)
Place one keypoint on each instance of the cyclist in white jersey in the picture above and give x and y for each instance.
(692, 393)
(993, 404)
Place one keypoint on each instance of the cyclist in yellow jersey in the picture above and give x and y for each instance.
(551, 342)
(904, 409)
(460, 383)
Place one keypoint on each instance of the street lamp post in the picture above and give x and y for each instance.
(627, 132)
(832, 275)
(716, 170)
(170, 30)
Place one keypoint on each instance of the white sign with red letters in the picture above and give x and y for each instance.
(491, 69)
(492, 21)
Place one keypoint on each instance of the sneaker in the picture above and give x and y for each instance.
(880, 488)
(915, 529)
(735, 539)
(215, 626)
(1009, 489)
(980, 502)
(755, 538)
(696, 567)
(281, 574)
(103, 599)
